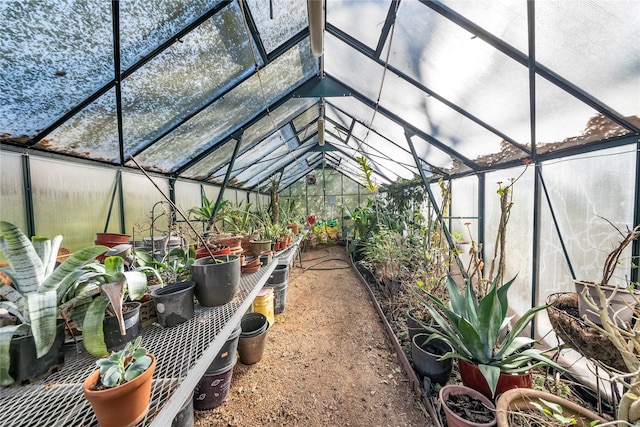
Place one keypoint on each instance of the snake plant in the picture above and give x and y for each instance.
(474, 328)
(38, 288)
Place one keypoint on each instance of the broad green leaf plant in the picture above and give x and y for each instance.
(115, 282)
(38, 288)
(474, 329)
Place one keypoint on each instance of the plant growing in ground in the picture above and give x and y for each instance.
(474, 328)
(38, 288)
(124, 365)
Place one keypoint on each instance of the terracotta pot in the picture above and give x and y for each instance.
(276, 246)
(203, 252)
(122, 406)
(234, 243)
(293, 227)
(521, 398)
(453, 420)
(472, 377)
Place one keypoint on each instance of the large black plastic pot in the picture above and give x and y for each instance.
(253, 338)
(174, 303)
(426, 357)
(227, 353)
(280, 274)
(24, 365)
(217, 279)
(112, 337)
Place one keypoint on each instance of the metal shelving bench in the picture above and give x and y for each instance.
(183, 355)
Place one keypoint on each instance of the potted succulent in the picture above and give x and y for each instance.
(474, 328)
(120, 390)
(35, 298)
(116, 284)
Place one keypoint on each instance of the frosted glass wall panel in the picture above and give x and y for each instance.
(362, 20)
(141, 31)
(175, 84)
(464, 212)
(333, 183)
(278, 20)
(73, 200)
(228, 113)
(12, 203)
(505, 19)
(141, 205)
(561, 43)
(582, 200)
(92, 133)
(462, 68)
(519, 232)
(298, 188)
(44, 74)
(349, 186)
(187, 195)
(562, 120)
(212, 191)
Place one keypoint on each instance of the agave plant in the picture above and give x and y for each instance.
(115, 283)
(474, 329)
(38, 287)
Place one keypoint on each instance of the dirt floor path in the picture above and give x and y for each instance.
(328, 360)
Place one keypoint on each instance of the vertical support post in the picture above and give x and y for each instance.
(123, 226)
(236, 149)
(635, 246)
(28, 195)
(432, 198)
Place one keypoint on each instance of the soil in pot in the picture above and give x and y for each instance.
(112, 337)
(464, 406)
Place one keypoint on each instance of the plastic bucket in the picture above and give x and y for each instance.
(213, 388)
(112, 337)
(174, 303)
(227, 354)
(263, 303)
(217, 279)
(279, 297)
(280, 274)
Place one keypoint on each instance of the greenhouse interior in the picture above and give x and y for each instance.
(473, 163)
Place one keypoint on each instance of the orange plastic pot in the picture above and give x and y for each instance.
(122, 406)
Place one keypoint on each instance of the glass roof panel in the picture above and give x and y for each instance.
(462, 68)
(438, 161)
(341, 60)
(303, 120)
(257, 174)
(92, 133)
(441, 122)
(505, 19)
(265, 126)
(397, 159)
(613, 37)
(51, 59)
(175, 84)
(261, 155)
(278, 20)
(337, 116)
(228, 113)
(562, 120)
(211, 162)
(141, 31)
(362, 20)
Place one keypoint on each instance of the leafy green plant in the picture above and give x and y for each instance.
(115, 283)
(474, 328)
(38, 290)
(124, 365)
